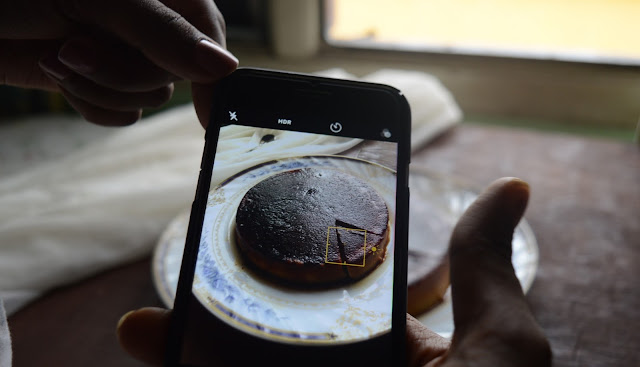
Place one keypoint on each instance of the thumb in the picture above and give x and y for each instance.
(491, 316)
(480, 251)
(143, 334)
(202, 99)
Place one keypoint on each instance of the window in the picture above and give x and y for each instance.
(603, 31)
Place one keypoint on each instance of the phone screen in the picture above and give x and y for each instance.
(297, 244)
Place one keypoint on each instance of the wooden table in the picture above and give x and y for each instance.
(584, 210)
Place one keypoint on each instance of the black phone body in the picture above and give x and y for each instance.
(233, 307)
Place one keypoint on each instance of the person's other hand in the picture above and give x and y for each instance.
(493, 324)
(112, 58)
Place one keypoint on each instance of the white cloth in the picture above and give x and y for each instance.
(5, 339)
(433, 108)
(98, 206)
(243, 148)
(106, 202)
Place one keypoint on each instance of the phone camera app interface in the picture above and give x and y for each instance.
(297, 241)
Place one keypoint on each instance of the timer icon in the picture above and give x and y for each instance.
(336, 127)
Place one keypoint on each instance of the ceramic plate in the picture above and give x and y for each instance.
(445, 200)
(442, 197)
(247, 301)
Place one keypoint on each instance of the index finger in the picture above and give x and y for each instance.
(162, 34)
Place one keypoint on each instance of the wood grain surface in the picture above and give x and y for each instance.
(584, 210)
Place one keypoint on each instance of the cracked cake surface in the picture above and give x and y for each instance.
(313, 226)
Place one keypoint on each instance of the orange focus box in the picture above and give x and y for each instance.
(335, 245)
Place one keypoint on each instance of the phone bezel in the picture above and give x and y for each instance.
(366, 105)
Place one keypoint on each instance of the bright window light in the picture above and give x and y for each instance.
(603, 31)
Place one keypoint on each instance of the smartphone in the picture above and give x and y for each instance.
(296, 251)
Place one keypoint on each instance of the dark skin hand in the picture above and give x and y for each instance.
(112, 58)
(493, 324)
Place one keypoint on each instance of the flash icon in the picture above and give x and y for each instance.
(233, 116)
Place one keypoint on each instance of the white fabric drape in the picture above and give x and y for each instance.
(76, 199)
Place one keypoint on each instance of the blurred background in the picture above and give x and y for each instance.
(563, 65)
